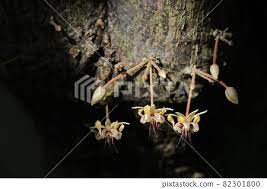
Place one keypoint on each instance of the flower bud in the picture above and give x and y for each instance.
(162, 74)
(98, 95)
(214, 70)
(231, 95)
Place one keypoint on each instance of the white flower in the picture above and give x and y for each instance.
(149, 114)
(110, 131)
(186, 125)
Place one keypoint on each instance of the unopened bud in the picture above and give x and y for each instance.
(162, 74)
(214, 70)
(231, 95)
(98, 95)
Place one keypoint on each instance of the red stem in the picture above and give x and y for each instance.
(131, 72)
(107, 111)
(215, 51)
(151, 86)
(191, 88)
(120, 76)
(208, 77)
(223, 84)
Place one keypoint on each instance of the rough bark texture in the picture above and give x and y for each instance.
(120, 31)
(129, 31)
(168, 29)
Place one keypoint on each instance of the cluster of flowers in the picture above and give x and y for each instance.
(109, 131)
(184, 124)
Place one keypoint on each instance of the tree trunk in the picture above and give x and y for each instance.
(129, 31)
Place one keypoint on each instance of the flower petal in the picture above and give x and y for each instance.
(159, 118)
(179, 114)
(194, 127)
(140, 112)
(181, 119)
(115, 125)
(137, 107)
(121, 128)
(145, 119)
(203, 112)
(118, 136)
(163, 110)
(98, 136)
(193, 113)
(170, 119)
(170, 109)
(147, 110)
(177, 127)
(124, 123)
(107, 123)
(98, 125)
(196, 119)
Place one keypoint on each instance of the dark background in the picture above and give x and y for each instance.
(39, 123)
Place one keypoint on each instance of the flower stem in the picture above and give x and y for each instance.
(151, 86)
(130, 72)
(223, 84)
(120, 76)
(209, 77)
(215, 50)
(191, 88)
(107, 111)
(205, 74)
(205, 77)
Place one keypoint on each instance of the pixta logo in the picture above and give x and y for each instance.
(84, 87)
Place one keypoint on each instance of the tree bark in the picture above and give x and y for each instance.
(129, 31)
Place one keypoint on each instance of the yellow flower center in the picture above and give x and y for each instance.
(181, 119)
(149, 110)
